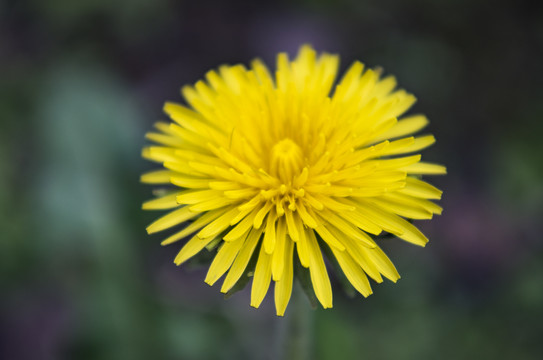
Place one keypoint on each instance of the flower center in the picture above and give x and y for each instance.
(286, 160)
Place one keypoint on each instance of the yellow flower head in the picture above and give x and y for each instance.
(278, 168)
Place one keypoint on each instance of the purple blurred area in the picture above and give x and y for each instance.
(82, 81)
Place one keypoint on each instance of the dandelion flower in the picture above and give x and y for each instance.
(280, 168)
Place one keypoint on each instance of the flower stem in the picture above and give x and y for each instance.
(295, 329)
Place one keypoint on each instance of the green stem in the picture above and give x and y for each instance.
(295, 329)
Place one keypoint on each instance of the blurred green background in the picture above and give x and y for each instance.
(82, 81)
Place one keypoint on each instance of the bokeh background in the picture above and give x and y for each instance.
(82, 81)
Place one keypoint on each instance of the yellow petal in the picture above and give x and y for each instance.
(422, 168)
(403, 208)
(194, 226)
(157, 177)
(269, 235)
(241, 227)
(218, 225)
(396, 225)
(159, 154)
(353, 272)
(163, 139)
(211, 204)
(383, 263)
(420, 143)
(359, 253)
(318, 273)
(259, 217)
(379, 217)
(261, 279)
(397, 163)
(329, 238)
(191, 248)
(358, 219)
(171, 219)
(161, 203)
(223, 260)
(283, 287)
(190, 197)
(239, 265)
(292, 227)
(405, 126)
(303, 249)
(190, 182)
(281, 241)
(420, 189)
(413, 202)
(329, 218)
(306, 218)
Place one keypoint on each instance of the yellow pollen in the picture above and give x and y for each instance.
(286, 160)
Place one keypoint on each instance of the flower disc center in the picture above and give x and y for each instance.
(286, 160)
